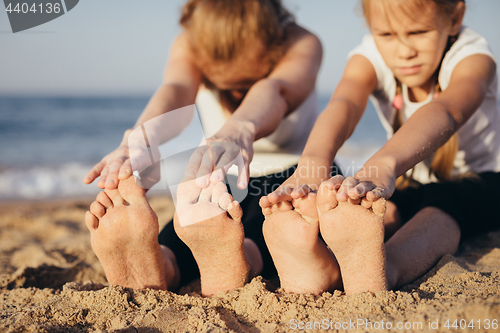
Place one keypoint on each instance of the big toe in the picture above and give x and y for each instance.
(379, 206)
(130, 191)
(326, 199)
(235, 211)
(306, 206)
(219, 190)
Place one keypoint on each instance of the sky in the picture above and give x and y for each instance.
(120, 47)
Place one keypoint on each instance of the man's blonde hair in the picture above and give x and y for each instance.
(222, 29)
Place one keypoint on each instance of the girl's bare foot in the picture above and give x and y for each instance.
(124, 236)
(211, 227)
(355, 234)
(304, 263)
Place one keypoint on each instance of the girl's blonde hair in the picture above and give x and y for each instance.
(410, 7)
(222, 29)
(442, 162)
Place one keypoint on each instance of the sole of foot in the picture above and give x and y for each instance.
(124, 236)
(303, 261)
(211, 227)
(355, 234)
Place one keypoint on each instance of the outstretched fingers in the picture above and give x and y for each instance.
(348, 184)
(112, 175)
(360, 190)
(281, 194)
(94, 173)
(376, 193)
(332, 184)
(125, 170)
(302, 191)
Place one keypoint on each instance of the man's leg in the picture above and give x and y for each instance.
(123, 230)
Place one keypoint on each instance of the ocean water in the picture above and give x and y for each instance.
(47, 145)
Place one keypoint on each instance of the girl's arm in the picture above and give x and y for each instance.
(181, 81)
(333, 127)
(266, 103)
(425, 131)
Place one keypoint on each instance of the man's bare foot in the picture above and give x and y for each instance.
(304, 263)
(355, 234)
(124, 236)
(211, 227)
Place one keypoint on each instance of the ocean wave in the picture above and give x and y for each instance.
(65, 180)
(45, 182)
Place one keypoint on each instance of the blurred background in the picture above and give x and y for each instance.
(70, 88)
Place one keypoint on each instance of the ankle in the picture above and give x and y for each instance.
(254, 257)
(213, 282)
(392, 275)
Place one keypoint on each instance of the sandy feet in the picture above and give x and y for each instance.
(354, 231)
(124, 236)
(303, 261)
(208, 221)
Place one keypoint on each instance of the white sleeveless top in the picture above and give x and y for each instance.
(479, 137)
(274, 153)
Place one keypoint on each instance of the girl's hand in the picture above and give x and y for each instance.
(310, 173)
(371, 183)
(233, 144)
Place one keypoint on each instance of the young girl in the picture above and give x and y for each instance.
(252, 71)
(434, 85)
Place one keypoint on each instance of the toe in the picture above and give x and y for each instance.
(206, 193)
(267, 211)
(91, 221)
(354, 201)
(306, 206)
(219, 190)
(97, 209)
(115, 197)
(225, 200)
(130, 191)
(104, 200)
(326, 199)
(379, 207)
(264, 203)
(188, 192)
(366, 203)
(284, 206)
(235, 211)
(274, 208)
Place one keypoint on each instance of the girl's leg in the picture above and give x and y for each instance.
(303, 261)
(123, 230)
(356, 236)
(419, 244)
(392, 220)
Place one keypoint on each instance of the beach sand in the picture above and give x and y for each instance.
(51, 281)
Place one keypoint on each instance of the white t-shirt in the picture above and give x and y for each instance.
(479, 137)
(274, 153)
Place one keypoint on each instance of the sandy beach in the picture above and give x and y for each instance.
(51, 281)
